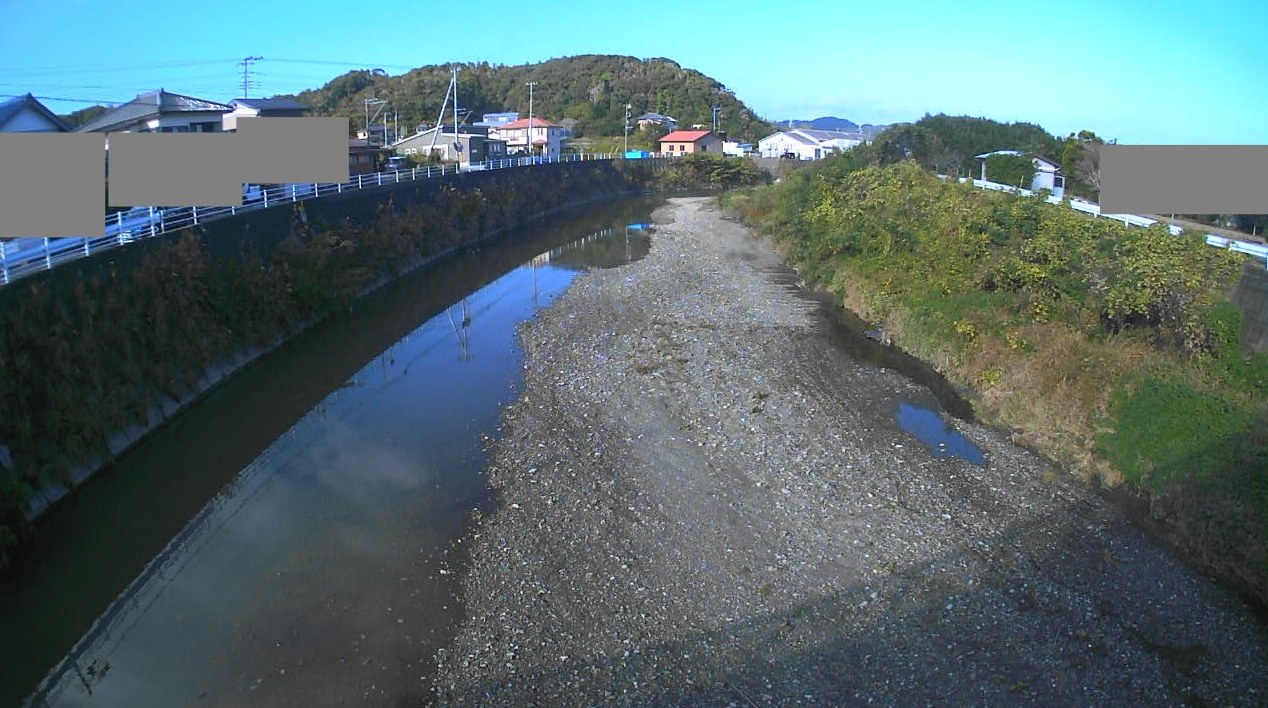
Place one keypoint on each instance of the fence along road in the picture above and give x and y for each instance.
(23, 256)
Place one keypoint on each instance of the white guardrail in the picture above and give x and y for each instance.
(1259, 251)
(24, 256)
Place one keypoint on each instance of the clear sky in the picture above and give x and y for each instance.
(1141, 71)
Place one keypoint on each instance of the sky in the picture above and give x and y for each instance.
(1141, 72)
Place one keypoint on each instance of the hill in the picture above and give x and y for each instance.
(590, 92)
(824, 123)
(834, 123)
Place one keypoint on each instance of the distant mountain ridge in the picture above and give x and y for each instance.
(844, 125)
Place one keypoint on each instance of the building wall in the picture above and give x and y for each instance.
(778, 144)
(207, 122)
(29, 121)
(709, 143)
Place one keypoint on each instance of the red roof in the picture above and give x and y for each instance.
(685, 136)
(523, 123)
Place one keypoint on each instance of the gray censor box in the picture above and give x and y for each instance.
(1184, 179)
(54, 184)
(51, 184)
(175, 169)
(279, 150)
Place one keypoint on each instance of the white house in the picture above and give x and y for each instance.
(25, 114)
(547, 138)
(1047, 173)
(807, 144)
(160, 112)
(736, 149)
(263, 107)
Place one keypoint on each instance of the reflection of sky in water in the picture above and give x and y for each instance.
(372, 473)
(929, 428)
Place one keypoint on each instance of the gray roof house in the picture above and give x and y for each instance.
(25, 114)
(647, 120)
(160, 112)
(262, 107)
(473, 144)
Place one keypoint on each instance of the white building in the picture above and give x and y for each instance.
(807, 144)
(1047, 173)
(25, 114)
(261, 107)
(547, 138)
(160, 112)
(736, 149)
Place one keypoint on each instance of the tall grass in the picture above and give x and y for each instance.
(1114, 351)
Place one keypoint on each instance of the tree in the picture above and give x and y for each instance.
(1013, 170)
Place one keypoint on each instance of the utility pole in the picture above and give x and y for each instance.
(371, 101)
(246, 77)
(528, 141)
(716, 111)
(627, 127)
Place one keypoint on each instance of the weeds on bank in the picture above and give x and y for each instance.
(1113, 350)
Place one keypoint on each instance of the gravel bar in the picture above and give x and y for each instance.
(703, 502)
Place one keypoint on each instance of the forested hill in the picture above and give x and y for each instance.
(591, 90)
(969, 136)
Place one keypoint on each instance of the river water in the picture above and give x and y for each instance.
(295, 538)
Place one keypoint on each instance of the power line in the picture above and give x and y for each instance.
(68, 100)
(97, 68)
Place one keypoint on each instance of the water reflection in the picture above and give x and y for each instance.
(321, 573)
(927, 426)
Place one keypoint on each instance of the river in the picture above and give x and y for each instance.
(295, 537)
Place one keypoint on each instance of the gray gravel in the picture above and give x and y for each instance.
(703, 503)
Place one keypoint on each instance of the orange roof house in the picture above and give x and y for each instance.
(683, 142)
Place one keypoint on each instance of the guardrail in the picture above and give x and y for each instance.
(23, 256)
(1252, 249)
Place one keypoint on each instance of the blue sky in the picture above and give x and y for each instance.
(1142, 72)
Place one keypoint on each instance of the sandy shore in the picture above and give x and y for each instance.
(703, 502)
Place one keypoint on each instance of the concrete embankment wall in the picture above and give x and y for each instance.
(59, 338)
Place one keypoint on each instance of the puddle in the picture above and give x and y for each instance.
(927, 426)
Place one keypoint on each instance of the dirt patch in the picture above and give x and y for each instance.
(703, 501)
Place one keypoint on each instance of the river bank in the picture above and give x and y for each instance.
(702, 501)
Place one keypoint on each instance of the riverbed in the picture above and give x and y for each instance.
(703, 500)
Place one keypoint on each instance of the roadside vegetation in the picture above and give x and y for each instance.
(710, 171)
(1112, 350)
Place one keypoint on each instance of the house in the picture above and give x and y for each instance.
(807, 144)
(1047, 172)
(261, 107)
(647, 120)
(493, 120)
(363, 156)
(834, 140)
(473, 145)
(24, 114)
(547, 137)
(789, 143)
(160, 112)
(683, 142)
(378, 134)
(736, 149)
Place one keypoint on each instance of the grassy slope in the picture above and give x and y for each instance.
(1113, 351)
